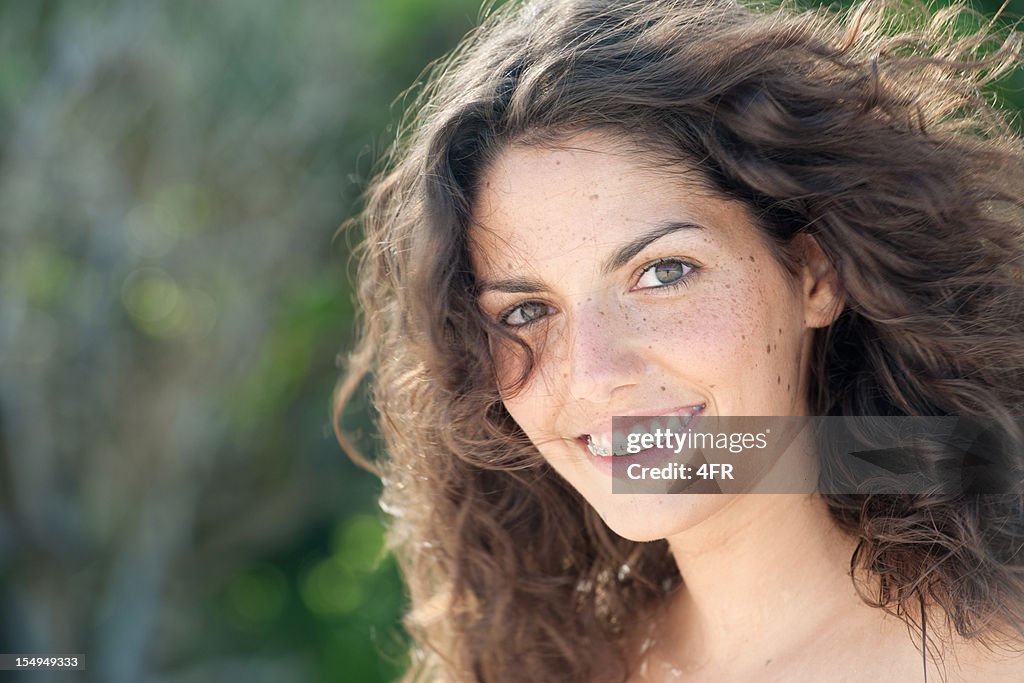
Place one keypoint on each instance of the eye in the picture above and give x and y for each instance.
(524, 314)
(663, 273)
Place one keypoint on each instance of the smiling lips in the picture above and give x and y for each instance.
(607, 444)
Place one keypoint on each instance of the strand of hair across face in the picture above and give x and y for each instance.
(924, 636)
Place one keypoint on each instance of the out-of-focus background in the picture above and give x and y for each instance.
(173, 299)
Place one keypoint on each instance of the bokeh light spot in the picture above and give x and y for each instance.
(358, 543)
(330, 589)
(156, 302)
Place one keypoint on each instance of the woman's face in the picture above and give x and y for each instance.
(640, 293)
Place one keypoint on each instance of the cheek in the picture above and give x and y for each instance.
(769, 347)
(713, 328)
(734, 335)
(510, 362)
(538, 367)
(525, 389)
(516, 366)
(535, 418)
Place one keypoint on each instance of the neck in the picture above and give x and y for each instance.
(760, 578)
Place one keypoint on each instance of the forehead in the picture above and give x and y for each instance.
(591, 191)
(585, 174)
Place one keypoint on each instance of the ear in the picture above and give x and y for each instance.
(823, 298)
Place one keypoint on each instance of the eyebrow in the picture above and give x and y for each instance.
(510, 286)
(620, 258)
(628, 251)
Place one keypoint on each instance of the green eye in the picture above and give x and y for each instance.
(662, 273)
(525, 313)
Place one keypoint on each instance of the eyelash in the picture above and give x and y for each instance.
(683, 281)
(507, 313)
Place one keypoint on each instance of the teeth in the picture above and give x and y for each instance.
(619, 442)
(606, 445)
(599, 445)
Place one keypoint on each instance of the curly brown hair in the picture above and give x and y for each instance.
(867, 129)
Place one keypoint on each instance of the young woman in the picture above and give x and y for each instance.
(687, 209)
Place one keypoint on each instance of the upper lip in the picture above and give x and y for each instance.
(604, 425)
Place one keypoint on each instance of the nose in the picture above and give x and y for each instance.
(603, 352)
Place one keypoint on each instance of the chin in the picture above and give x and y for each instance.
(650, 517)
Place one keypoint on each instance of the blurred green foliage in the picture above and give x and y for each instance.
(172, 304)
(172, 500)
